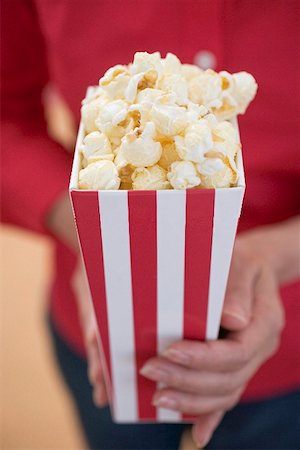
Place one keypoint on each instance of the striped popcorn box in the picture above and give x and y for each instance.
(157, 263)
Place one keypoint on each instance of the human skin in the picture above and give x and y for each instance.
(206, 379)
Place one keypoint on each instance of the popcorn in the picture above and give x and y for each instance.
(218, 171)
(227, 95)
(183, 175)
(224, 133)
(170, 120)
(100, 175)
(115, 81)
(160, 124)
(139, 148)
(91, 108)
(244, 90)
(206, 88)
(138, 82)
(190, 71)
(169, 154)
(96, 146)
(176, 85)
(196, 112)
(153, 177)
(111, 115)
(114, 121)
(196, 141)
(144, 62)
(171, 64)
(149, 96)
(210, 166)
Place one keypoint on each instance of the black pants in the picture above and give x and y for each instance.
(271, 424)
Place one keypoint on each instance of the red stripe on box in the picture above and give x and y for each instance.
(87, 217)
(142, 229)
(198, 243)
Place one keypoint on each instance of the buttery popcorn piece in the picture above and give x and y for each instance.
(114, 121)
(218, 172)
(206, 88)
(91, 108)
(96, 146)
(224, 134)
(171, 64)
(190, 71)
(100, 175)
(183, 175)
(150, 178)
(244, 90)
(176, 85)
(169, 154)
(115, 81)
(196, 141)
(139, 149)
(144, 62)
(169, 120)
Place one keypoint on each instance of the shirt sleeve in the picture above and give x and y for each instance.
(35, 169)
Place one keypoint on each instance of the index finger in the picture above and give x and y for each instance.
(220, 355)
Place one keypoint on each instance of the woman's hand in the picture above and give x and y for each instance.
(207, 378)
(89, 327)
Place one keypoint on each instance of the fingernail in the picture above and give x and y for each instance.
(152, 372)
(202, 442)
(176, 356)
(165, 402)
(238, 315)
(97, 397)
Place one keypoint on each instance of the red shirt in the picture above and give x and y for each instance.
(73, 43)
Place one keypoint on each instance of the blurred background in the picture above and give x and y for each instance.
(36, 410)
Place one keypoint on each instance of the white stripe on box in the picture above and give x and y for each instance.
(113, 208)
(170, 275)
(227, 209)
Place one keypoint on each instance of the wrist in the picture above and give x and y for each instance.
(277, 247)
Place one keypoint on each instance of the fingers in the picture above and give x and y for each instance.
(261, 338)
(96, 378)
(192, 381)
(238, 302)
(204, 427)
(268, 305)
(216, 356)
(100, 396)
(95, 372)
(89, 327)
(194, 404)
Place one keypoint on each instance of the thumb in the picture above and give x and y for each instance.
(204, 427)
(238, 302)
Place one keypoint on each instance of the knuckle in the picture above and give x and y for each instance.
(189, 404)
(175, 379)
(232, 384)
(242, 357)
